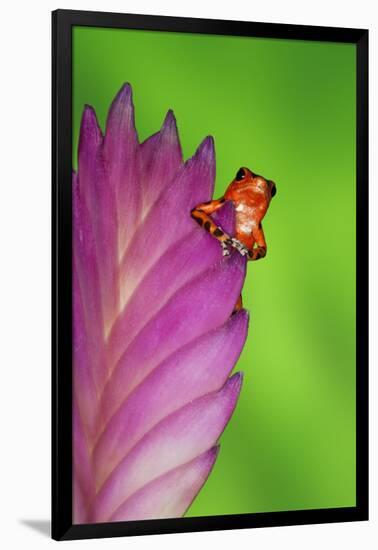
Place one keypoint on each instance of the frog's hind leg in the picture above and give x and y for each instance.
(239, 305)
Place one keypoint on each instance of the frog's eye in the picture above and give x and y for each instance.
(273, 189)
(240, 175)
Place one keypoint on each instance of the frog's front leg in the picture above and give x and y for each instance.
(201, 214)
(234, 243)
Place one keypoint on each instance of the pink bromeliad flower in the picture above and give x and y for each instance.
(155, 340)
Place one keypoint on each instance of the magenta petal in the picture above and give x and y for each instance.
(90, 142)
(197, 252)
(146, 152)
(84, 361)
(87, 290)
(171, 494)
(192, 311)
(225, 218)
(160, 159)
(176, 440)
(83, 489)
(154, 338)
(120, 151)
(200, 367)
(79, 503)
(100, 200)
(169, 220)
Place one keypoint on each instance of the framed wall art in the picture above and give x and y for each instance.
(210, 203)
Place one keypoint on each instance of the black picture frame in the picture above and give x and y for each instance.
(62, 23)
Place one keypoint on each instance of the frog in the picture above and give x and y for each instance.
(250, 194)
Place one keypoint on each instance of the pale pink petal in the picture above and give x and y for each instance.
(182, 262)
(83, 489)
(200, 367)
(120, 152)
(202, 305)
(171, 494)
(169, 220)
(84, 359)
(176, 440)
(153, 336)
(99, 194)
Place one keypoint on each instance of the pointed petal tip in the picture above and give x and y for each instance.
(213, 452)
(90, 136)
(240, 319)
(204, 159)
(209, 457)
(123, 99)
(121, 137)
(88, 109)
(169, 121)
(125, 92)
(206, 148)
(169, 128)
(244, 314)
(89, 122)
(229, 395)
(234, 383)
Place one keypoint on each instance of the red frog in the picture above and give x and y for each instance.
(251, 195)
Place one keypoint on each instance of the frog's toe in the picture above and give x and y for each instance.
(243, 250)
(257, 253)
(225, 249)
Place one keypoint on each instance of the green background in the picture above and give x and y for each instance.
(286, 109)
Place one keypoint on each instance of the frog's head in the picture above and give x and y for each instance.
(246, 177)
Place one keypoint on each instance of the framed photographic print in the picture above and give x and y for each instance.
(210, 243)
